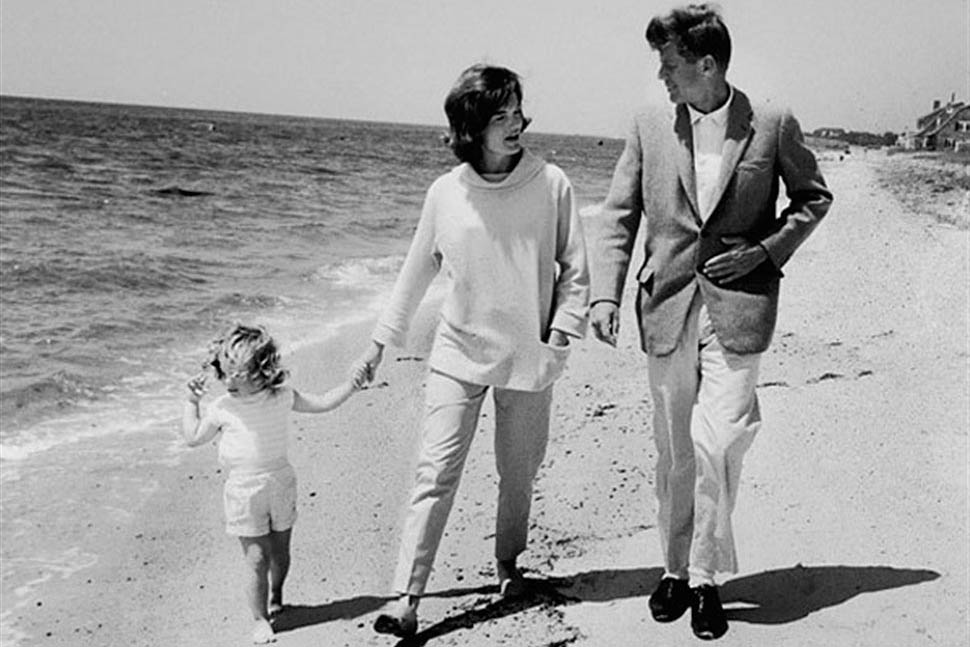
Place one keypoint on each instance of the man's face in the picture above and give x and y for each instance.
(684, 80)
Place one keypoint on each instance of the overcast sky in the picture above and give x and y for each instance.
(860, 64)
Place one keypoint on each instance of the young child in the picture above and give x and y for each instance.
(260, 489)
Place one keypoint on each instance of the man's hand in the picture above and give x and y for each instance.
(605, 319)
(731, 265)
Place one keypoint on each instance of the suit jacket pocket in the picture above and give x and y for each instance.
(751, 187)
(755, 165)
(761, 280)
(645, 279)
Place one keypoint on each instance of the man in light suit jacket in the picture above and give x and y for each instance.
(704, 183)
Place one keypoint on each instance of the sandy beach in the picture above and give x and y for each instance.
(852, 521)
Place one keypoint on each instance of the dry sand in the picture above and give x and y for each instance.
(851, 522)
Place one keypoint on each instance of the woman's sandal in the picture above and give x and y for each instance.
(403, 626)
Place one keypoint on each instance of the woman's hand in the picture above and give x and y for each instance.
(558, 338)
(367, 364)
(358, 375)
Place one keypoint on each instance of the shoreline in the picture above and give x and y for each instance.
(853, 499)
(116, 518)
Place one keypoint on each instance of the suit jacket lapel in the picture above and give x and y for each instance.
(735, 142)
(685, 157)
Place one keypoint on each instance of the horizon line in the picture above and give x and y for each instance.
(441, 127)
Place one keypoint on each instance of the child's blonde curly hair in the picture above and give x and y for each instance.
(252, 347)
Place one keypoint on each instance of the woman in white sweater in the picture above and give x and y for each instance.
(504, 228)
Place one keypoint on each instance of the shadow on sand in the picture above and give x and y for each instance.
(777, 597)
(298, 615)
(769, 597)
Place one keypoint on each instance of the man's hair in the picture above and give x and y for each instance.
(479, 93)
(252, 347)
(696, 30)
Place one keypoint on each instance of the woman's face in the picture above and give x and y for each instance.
(500, 140)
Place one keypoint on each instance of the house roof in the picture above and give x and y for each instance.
(943, 108)
(962, 110)
(930, 115)
(931, 129)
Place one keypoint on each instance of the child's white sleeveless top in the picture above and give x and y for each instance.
(255, 430)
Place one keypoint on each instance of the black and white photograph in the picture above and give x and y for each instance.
(546, 323)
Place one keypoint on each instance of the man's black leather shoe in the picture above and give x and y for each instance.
(670, 599)
(707, 617)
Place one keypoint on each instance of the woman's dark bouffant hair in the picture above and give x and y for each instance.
(480, 92)
(697, 30)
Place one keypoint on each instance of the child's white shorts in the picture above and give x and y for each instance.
(257, 503)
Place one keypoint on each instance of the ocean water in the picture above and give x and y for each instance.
(130, 236)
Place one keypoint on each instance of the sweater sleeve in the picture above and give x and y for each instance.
(420, 267)
(572, 283)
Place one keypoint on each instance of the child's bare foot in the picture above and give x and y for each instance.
(263, 632)
(400, 619)
(511, 584)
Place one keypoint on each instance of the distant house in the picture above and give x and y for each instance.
(946, 127)
(829, 133)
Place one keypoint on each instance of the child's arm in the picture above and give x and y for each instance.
(314, 403)
(196, 430)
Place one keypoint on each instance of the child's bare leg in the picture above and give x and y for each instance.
(279, 566)
(257, 552)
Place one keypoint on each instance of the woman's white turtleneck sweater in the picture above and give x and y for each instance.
(514, 254)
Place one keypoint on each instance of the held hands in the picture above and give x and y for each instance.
(358, 375)
(604, 316)
(364, 370)
(743, 257)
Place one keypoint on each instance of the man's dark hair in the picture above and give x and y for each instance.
(479, 93)
(697, 30)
